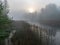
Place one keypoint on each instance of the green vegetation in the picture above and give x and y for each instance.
(5, 22)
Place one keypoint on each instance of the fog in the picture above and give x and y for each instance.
(50, 12)
(37, 21)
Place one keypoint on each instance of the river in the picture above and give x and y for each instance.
(57, 38)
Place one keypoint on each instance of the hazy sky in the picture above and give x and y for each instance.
(17, 5)
(24, 4)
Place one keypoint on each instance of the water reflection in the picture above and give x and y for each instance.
(57, 38)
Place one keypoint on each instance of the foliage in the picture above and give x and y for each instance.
(5, 22)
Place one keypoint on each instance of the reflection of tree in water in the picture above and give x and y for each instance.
(25, 36)
(52, 32)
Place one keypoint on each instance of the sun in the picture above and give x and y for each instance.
(31, 10)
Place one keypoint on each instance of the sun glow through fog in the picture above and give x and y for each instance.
(31, 10)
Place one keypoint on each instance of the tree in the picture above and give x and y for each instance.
(5, 22)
